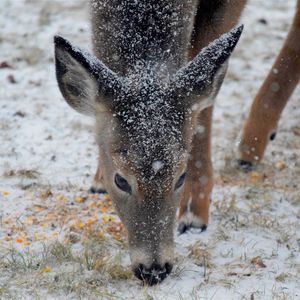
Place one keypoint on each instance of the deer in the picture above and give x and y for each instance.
(270, 100)
(150, 85)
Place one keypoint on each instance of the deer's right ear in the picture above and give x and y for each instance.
(203, 76)
(82, 78)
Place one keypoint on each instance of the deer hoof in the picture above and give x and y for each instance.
(190, 221)
(182, 227)
(244, 165)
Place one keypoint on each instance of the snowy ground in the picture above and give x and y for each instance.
(58, 242)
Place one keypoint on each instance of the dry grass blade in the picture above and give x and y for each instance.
(201, 256)
(26, 173)
(257, 261)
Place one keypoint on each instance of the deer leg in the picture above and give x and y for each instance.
(261, 124)
(194, 206)
(98, 186)
(213, 18)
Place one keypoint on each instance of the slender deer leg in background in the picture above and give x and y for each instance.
(98, 186)
(261, 125)
(213, 19)
(194, 208)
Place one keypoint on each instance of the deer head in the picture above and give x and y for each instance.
(144, 126)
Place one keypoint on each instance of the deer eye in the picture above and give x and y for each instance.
(122, 184)
(180, 181)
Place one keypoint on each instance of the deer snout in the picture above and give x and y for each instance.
(152, 268)
(155, 274)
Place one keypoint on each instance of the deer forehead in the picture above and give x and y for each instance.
(151, 136)
(150, 119)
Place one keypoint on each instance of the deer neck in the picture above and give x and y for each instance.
(126, 33)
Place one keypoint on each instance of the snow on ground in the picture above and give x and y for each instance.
(58, 242)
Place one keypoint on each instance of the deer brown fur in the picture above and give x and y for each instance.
(213, 18)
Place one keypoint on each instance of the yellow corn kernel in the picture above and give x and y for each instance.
(29, 220)
(254, 176)
(90, 221)
(80, 199)
(103, 209)
(20, 239)
(46, 270)
(79, 225)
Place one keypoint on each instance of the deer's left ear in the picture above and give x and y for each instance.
(203, 75)
(85, 82)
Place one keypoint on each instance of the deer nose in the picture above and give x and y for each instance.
(153, 275)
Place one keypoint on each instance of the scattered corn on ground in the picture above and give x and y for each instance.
(53, 217)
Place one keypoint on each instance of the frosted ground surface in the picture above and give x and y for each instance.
(48, 157)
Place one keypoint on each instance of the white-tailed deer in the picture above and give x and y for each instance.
(146, 98)
(157, 68)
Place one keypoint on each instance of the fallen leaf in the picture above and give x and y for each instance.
(38, 207)
(257, 261)
(4, 65)
(280, 165)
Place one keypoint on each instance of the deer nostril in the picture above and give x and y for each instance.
(138, 271)
(169, 268)
(153, 275)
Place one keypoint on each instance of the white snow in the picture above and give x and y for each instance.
(157, 165)
(251, 214)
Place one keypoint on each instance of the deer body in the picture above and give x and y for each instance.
(145, 97)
